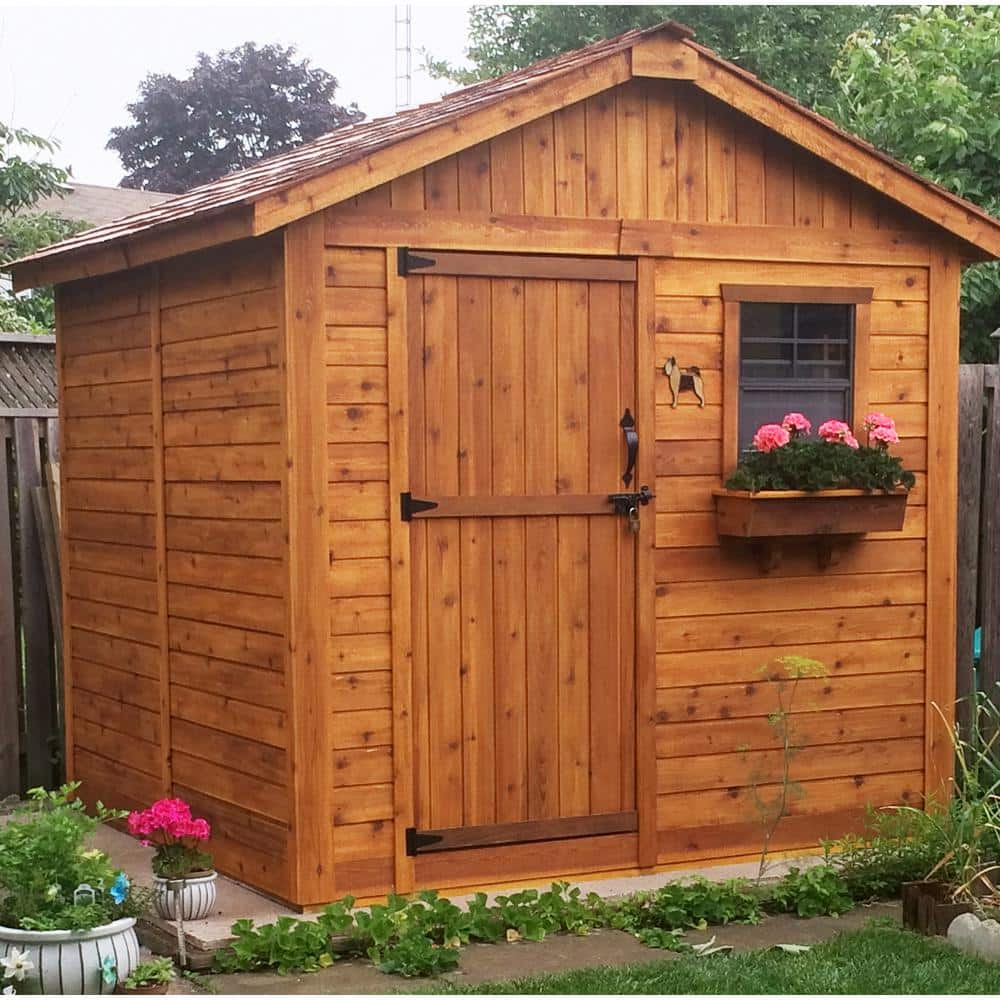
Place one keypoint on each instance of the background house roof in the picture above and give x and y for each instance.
(97, 204)
(27, 373)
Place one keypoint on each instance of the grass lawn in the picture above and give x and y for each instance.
(878, 959)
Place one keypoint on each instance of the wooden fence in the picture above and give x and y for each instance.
(978, 531)
(30, 614)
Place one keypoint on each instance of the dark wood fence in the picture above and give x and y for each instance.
(30, 647)
(978, 530)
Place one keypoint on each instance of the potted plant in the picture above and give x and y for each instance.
(788, 485)
(152, 977)
(67, 915)
(183, 877)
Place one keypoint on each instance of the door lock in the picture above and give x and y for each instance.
(627, 505)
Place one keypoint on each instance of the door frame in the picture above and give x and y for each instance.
(402, 300)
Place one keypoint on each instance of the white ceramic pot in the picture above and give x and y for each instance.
(72, 961)
(196, 896)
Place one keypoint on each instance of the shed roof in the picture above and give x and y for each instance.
(27, 374)
(357, 157)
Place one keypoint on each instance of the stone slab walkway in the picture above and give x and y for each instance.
(483, 963)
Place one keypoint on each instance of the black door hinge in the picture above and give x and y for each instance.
(415, 841)
(410, 505)
(412, 262)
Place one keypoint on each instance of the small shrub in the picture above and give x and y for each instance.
(813, 892)
(156, 970)
(897, 846)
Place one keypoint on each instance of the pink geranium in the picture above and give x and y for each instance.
(168, 821)
(836, 432)
(770, 436)
(796, 424)
(883, 436)
(874, 420)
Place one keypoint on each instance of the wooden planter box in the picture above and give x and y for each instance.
(928, 909)
(767, 517)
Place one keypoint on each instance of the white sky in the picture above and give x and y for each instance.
(68, 71)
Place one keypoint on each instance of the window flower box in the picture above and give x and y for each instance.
(784, 513)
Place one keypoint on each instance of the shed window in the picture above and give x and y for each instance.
(794, 356)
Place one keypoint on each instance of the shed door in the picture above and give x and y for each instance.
(523, 574)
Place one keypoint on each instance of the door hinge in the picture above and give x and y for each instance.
(410, 505)
(412, 262)
(415, 841)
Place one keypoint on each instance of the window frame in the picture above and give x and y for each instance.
(733, 296)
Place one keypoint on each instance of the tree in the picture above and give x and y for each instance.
(929, 94)
(23, 180)
(234, 110)
(791, 48)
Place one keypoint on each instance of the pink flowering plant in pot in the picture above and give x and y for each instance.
(785, 456)
(183, 877)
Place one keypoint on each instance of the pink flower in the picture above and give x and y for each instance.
(167, 821)
(874, 420)
(836, 432)
(796, 424)
(770, 436)
(883, 436)
(850, 440)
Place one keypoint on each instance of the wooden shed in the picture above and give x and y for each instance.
(340, 433)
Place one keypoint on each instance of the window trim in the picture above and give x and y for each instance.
(734, 295)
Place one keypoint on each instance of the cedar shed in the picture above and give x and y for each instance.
(340, 432)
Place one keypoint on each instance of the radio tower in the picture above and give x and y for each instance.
(404, 58)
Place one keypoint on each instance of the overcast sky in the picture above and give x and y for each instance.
(69, 71)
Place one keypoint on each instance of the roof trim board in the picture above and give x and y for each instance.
(356, 158)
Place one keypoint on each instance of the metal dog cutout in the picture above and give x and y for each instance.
(684, 378)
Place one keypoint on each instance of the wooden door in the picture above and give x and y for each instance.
(523, 575)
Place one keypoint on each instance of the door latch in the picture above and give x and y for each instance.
(627, 505)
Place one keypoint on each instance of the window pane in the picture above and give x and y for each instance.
(768, 404)
(767, 319)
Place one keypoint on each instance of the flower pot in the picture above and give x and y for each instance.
(67, 962)
(195, 896)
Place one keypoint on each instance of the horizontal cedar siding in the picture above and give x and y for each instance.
(107, 495)
(359, 661)
(226, 579)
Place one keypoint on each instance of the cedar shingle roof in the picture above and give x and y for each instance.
(27, 372)
(356, 142)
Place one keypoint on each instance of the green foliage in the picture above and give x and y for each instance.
(23, 179)
(659, 918)
(43, 859)
(408, 937)
(819, 465)
(896, 846)
(20, 235)
(812, 892)
(175, 861)
(233, 110)
(156, 970)
(791, 48)
(928, 92)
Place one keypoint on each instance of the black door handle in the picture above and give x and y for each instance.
(627, 424)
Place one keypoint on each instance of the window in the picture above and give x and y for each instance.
(794, 356)
(792, 348)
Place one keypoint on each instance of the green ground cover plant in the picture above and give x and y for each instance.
(880, 959)
(423, 936)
